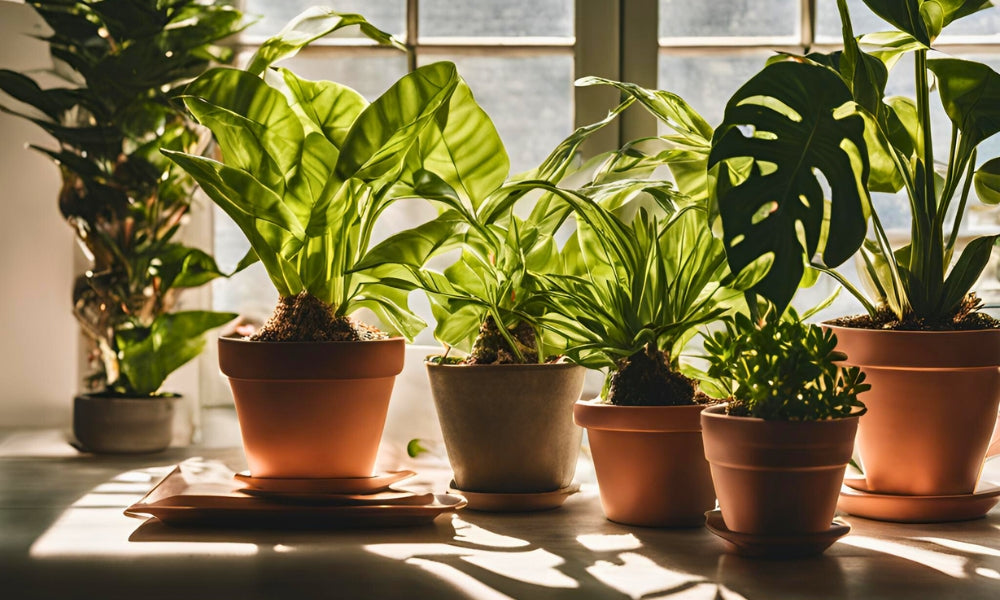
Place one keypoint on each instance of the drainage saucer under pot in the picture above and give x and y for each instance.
(515, 501)
(777, 545)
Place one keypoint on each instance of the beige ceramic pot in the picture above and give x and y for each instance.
(650, 463)
(116, 425)
(932, 407)
(311, 409)
(777, 477)
(509, 428)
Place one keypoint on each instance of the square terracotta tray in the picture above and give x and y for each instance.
(198, 493)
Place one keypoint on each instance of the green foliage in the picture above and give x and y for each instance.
(123, 64)
(783, 369)
(309, 166)
(776, 204)
(925, 280)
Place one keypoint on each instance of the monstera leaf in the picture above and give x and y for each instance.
(779, 145)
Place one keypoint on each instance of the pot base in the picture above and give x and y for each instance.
(775, 545)
(113, 425)
(515, 502)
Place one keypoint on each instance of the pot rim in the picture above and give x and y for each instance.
(954, 350)
(716, 412)
(98, 397)
(235, 338)
(506, 367)
(596, 414)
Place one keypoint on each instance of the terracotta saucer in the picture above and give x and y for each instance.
(779, 545)
(345, 485)
(515, 501)
(386, 497)
(855, 499)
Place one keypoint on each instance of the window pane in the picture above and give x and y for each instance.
(509, 18)
(729, 18)
(529, 96)
(370, 71)
(388, 15)
(707, 81)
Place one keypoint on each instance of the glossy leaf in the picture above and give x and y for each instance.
(966, 271)
(307, 27)
(148, 355)
(970, 93)
(987, 182)
(779, 207)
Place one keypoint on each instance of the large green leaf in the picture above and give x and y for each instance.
(330, 106)
(464, 149)
(970, 93)
(148, 355)
(308, 27)
(793, 136)
(905, 15)
(987, 181)
(384, 132)
(966, 271)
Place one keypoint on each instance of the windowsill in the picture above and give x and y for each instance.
(64, 531)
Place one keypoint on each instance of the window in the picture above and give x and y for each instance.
(521, 57)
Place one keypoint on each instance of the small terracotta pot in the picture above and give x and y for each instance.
(650, 463)
(116, 425)
(931, 409)
(509, 428)
(777, 477)
(311, 409)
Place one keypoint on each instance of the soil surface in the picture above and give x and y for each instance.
(645, 379)
(967, 318)
(306, 318)
(490, 347)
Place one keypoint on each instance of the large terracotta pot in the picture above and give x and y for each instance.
(650, 463)
(117, 425)
(931, 409)
(777, 477)
(509, 428)
(311, 409)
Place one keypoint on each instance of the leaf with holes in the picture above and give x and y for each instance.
(797, 142)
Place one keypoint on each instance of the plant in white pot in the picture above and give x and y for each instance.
(121, 68)
(308, 167)
(505, 409)
(779, 448)
(932, 359)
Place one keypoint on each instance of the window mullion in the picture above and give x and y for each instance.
(640, 46)
(597, 52)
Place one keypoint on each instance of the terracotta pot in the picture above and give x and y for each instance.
(509, 428)
(931, 409)
(116, 425)
(777, 477)
(311, 409)
(650, 463)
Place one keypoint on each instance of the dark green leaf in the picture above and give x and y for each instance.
(779, 207)
(987, 181)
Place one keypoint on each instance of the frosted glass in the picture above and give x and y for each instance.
(508, 18)
(729, 18)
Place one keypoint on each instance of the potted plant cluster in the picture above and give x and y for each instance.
(308, 167)
(505, 408)
(779, 448)
(123, 66)
(932, 359)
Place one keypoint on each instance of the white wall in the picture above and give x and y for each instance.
(38, 335)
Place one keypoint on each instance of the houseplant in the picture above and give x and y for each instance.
(923, 344)
(779, 448)
(637, 292)
(123, 66)
(308, 167)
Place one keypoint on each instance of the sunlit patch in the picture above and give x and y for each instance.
(283, 549)
(965, 547)
(953, 566)
(988, 573)
(473, 534)
(101, 510)
(638, 576)
(537, 567)
(472, 587)
(604, 542)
